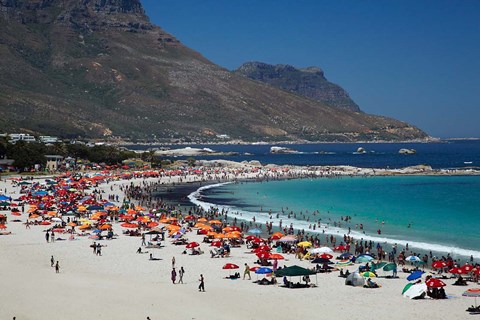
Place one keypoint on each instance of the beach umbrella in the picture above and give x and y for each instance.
(277, 256)
(412, 259)
(415, 291)
(2, 226)
(263, 270)
(344, 263)
(57, 219)
(192, 245)
(368, 274)
(435, 283)
(472, 293)
(327, 256)
(390, 266)
(217, 244)
(439, 264)
(255, 231)
(345, 255)
(105, 226)
(5, 198)
(364, 258)
(230, 266)
(457, 271)
(289, 238)
(407, 286)
(376, 266)
(304, 244)
(340, 248)
(321, 250)
(467, 268)
(202, 220)
(263, 254)
(264, 248)
(415, 275)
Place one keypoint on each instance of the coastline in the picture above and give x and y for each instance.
(121, 284)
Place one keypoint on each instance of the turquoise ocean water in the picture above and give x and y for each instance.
(442, 211)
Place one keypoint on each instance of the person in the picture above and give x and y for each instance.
(174, 275)
(94, 246)
(247, 272)
(275, 265)
(181, 272)
(143, 240)
(52, 261)
(52, 237)
(173, 262)
(99, 249)
(201, 286)
(57, 268)
(139, 250)
(47, 236)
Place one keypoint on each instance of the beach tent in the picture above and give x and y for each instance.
(295, 271)
(355, 279)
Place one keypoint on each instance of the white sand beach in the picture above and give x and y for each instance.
(122, 284)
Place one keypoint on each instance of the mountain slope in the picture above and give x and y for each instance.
(99, 68)
(308, 82)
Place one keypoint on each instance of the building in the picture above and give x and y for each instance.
(53, 162)
(48, 139)
(14, 137)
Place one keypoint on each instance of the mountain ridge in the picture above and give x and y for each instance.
(308, 82)
(101, 69)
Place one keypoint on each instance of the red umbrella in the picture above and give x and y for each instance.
(230, 266)
(326, 256)
(2, 226)
(192, 245)
(189, 218)
(254, 268)
(263, 254)
(457, 271)
(275, 256)
(466, 268)
(439, 264)
(340, 248)
(264, 248)
(435, 283)
(217, 244)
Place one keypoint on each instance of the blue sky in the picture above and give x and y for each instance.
(416, 61)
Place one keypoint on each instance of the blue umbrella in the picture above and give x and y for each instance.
(364, 258)
(255, 231)
(40, 193)
(415, 275)
(5, 198)
(263, 270)
(96, 231)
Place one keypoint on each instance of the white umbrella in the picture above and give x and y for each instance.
(321, 250)
(415, 291)
(412, 259)
(57, 219)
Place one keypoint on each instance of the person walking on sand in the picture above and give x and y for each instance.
(143, 240)
(47, 236)
(201, 286)
(57, 268)
(174, 275)
(52, 262)
(181, 272)
(247, 272)
(173, 262)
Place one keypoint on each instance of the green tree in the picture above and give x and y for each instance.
(26, 155)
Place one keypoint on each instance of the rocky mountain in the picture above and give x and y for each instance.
(100, 68)
(308, 82)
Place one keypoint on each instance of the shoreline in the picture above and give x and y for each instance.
(122, 284)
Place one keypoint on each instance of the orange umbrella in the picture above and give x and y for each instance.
(34, 216)
(2, 226)
(16, 213)
(105, 226)
(152, 224)
(202, 220)
(139, 208)
(219, 236)
(51, 213)
(84, 226)
(129, 225)
(72, 224)
(215, 222)
(131, 211)
(227, 229)
(211, 234)
(232, 235)
(199, 225)
(275, 256)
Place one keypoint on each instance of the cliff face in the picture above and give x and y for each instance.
(308, 82)
(96, 68)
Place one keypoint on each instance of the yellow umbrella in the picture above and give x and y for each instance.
(304, 244)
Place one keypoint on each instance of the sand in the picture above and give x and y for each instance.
(122, 284)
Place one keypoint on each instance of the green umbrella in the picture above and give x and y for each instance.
(407, 287)
(390, 266)
(379, 265)
(368, 274)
